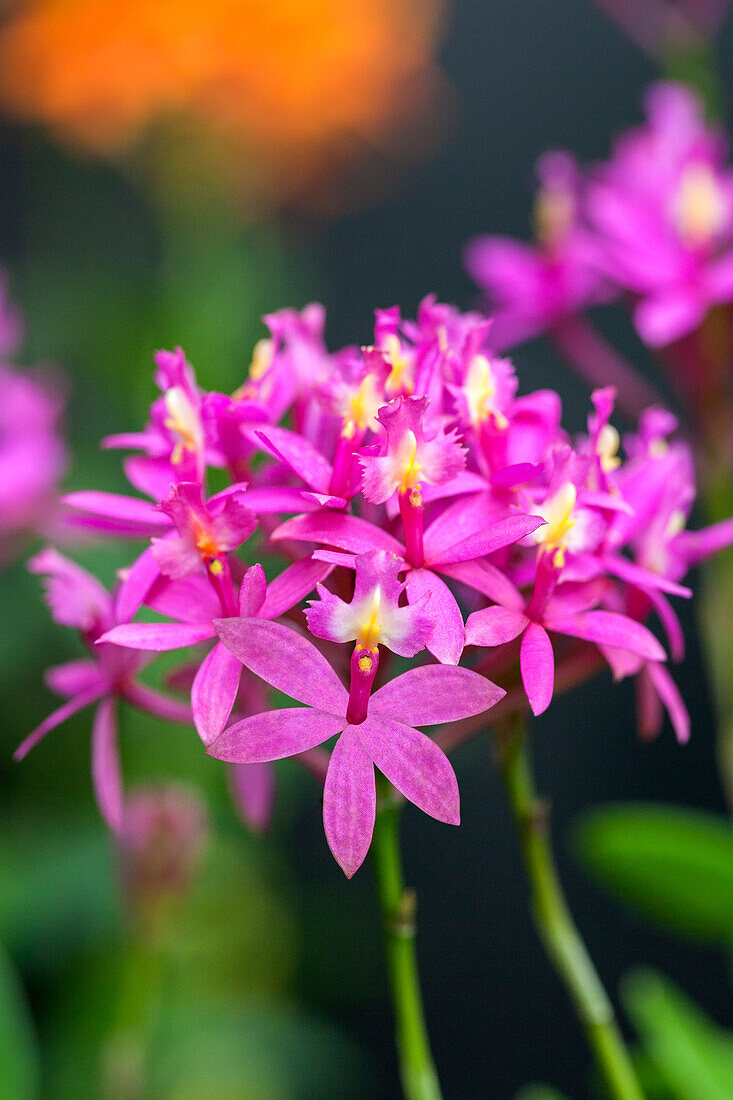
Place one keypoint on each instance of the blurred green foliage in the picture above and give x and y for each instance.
(19, 1057)
(675, 866)
(687, 1056)
(682, 1055)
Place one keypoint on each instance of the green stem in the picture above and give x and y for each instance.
(417, 1072)
(557, 930)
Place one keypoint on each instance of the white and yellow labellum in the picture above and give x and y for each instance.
(263, 355)
(699, 211)
(554, 214)
(406, 465)
(480, 391)
(558, 511)
(183, 421)
(369, 623)
(607, 448)
(398, 379)
(676, 524)
(363, 406)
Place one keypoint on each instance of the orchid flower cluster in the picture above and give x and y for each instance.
(652, 226)
(32, 453)
(459, 551)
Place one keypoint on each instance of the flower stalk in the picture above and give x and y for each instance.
(417, 1071)
(556, 927)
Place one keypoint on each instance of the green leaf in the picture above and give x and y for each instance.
(674, 865)
(19, 1072)
(692, 1055)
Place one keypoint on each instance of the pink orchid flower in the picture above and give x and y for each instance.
(380, 733)
(78, 600)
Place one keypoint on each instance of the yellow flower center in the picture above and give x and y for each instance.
(407, 465)
(205, 542)
(370, 626)
(364, 403)
(183, 421)
(554, 214)
(558, 513)
(399, 363)
(699, 210)
(676, 524)
(480, 390)
(608, 445)
(263, 355)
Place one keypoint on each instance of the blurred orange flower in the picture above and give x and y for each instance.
(296, 82)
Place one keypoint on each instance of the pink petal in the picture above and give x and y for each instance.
(214, 691)
(537, 666)
(73, 677)
(672, 700)
(572, 597)
(176, 557)
(325, 500)
(643, 578)
(284, 659)
(106, 777)
(56, 718)
(649, 709)
(464, 517)
(670, 622)
(487, 579)
(127, 515)
(695, 546)
(349, 802)
(432, 694)
(447, 640)
(297, 454)
(253, 790)
(519, 473)
(343, 532)
(719, 280)
(275, 735)
(252, 591)
(608, 501)
(276, 499)
(75, 597)
(668, 316)
(158, 637)
(153, 476)
(140, 578)
(503, 533)
(494, 626)
(154, 702)
(464, 482)
(414, 765)
(190, 600)
(609, 628)
(292, 585)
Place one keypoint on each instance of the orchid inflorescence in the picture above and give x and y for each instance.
(654, 222)
(651, 228)
(442, 527)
